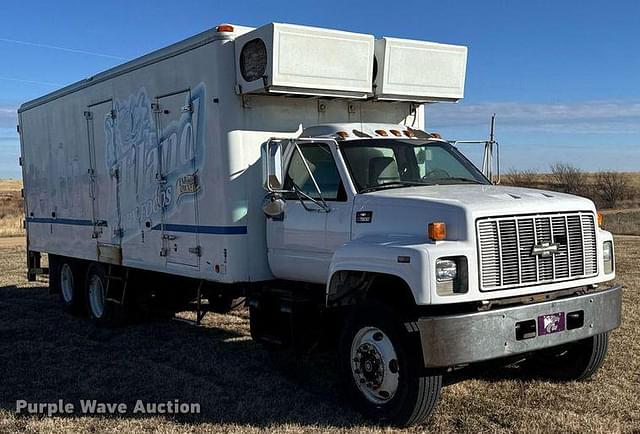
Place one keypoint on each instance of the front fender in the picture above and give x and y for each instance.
(387, 255)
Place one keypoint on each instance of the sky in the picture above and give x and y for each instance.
(563, 77)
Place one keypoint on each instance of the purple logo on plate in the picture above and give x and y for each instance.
(551, 323)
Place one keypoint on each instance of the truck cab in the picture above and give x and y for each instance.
(395, 222)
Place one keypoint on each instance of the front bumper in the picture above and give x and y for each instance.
(466, 338)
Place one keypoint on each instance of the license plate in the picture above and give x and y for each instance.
(551, 323)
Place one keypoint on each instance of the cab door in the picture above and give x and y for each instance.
(302, 241)
(178, 180)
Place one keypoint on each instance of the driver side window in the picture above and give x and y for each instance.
(323, 168)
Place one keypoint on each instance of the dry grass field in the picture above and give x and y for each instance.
(11, 214)
(46, 355)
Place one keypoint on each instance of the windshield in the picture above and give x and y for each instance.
(382, 163)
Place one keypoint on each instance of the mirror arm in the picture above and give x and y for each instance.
(315, 184)
(302, 195)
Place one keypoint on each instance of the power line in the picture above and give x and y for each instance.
(53, 47)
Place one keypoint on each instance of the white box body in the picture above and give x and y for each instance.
(419, 71)
(88, 175)
(306, 60)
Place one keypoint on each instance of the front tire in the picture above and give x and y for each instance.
(380, 368)
(574, 362)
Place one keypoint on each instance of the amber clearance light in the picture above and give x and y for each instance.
(437, 231)
(224, 28)
(600, 218)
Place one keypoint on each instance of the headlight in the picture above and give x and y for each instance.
(451, 275)
(446, 269)
(607, 253)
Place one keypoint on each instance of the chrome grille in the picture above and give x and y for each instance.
(506, 243)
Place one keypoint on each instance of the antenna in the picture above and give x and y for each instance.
(493, 128)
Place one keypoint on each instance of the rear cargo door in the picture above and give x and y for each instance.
(104, 173)
(178, 180)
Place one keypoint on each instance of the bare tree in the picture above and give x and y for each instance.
(568, 178)
(612, 187)
(521, 178)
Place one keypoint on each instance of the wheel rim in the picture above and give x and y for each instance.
(96, 296)
(66, 283)
(374, 365)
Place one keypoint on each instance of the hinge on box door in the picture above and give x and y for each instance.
(164, 251)
(196, 250)
(18, 128)
(88, 115)
(155, 107)
(115, 172)
(112, 114)
(169, 237)
(20, 161)
(118, 233)
(187, 108)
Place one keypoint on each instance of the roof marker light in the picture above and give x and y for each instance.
(382, 133)
(224, 28)
(342, 134)
(396, 133)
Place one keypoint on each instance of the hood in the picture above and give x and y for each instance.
(409, 210)
(483, 200)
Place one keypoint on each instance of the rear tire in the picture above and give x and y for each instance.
(101, 311)
(380, 368)
(573, 362)
(68, 282)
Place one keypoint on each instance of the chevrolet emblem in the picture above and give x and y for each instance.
(544, 249)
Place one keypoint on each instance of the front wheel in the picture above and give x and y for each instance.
(573, 362)
(380, 369)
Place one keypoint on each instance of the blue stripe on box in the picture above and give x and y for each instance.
(60, 221)
(193, 229)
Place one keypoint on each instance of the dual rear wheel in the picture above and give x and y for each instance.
(82, 289)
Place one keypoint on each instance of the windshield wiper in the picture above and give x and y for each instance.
(393, 184)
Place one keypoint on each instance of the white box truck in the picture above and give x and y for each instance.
(291, 165)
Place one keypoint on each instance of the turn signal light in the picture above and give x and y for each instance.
(437, 231)
(223, 28)
(600, 219)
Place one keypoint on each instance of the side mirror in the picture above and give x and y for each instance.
(274, 206)
(272, 179)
